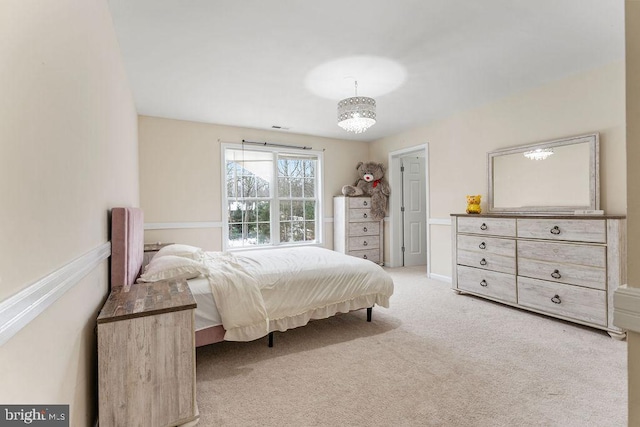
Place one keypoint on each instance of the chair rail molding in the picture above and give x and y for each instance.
(194, 224)
(439, 221)
(18, 310)
(179, 225)
(626, 308)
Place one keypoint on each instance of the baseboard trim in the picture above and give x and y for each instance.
(626, 308)
(17, 311)
(440, 277)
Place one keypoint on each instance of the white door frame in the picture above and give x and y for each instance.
(395, 255)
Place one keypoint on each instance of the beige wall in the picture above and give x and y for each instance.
(180, 176)
(585, 103)
(632, 36)
(68, 153)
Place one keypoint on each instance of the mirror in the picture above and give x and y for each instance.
(565, 181)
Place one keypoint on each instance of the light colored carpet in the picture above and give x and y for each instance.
(433, 358)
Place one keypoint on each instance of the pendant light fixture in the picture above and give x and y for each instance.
(357, 114)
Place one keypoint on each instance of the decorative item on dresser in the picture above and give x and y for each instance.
(562, 266)
(355, 232)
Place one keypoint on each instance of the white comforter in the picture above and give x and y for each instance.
(257, 292)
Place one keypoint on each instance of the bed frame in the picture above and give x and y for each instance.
(127, 254)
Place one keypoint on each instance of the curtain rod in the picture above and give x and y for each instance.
(272, 144)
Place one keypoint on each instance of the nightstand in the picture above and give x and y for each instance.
(146, 356)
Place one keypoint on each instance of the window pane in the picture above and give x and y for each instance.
(296, 187)
(235, 212)
(283, 169)
(309, 187)
(235, 235)
(231, 180)
(283, 187)
(251, 237)
(253, 170)
(310, 168)
(297, 229)
(248, 186)
(310, 210)
(297, 210)
(285, 210)
(285, 232)
(250, 212)
(310, 230)
(262, 188)
(264, 211)
(264, 233)
(296, 168)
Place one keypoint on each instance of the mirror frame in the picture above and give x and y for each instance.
(594, 176)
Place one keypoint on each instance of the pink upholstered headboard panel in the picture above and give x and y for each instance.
(127, 245)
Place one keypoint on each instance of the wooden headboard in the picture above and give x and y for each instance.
(127, 245)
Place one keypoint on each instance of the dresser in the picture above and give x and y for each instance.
(146, 356)
(562, 266)
(355, 232)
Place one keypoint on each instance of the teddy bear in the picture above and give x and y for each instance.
(473, 204)
(371, 182)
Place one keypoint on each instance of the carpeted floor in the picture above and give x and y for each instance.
(433, 358)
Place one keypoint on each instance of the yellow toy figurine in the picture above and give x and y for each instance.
(473, 204)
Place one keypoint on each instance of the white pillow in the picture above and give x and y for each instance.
(171, 267)
(184, 251)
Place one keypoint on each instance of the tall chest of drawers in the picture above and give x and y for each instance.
(355, 232)
(562, 266)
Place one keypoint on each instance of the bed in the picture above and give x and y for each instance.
(242, 296)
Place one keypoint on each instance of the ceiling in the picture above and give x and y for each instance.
(264, 63)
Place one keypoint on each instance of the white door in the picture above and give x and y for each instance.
(414, 211)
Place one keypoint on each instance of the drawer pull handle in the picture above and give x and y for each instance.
(483, 226)
(483, 261)
(555, 230)
(556, 299)
(484, 283)
(482, 245)
(365, 203)
(364, 229)
(556, 274)
(364, 215)
(365, 243)
(364, 256)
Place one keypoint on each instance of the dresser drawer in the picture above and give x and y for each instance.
(364, 228)
(484, 244)
(590, 277)
(501, 263)
(364, 242)
(488, 226)
(369, 254)
(579, 230)
(594, 256)
(489, 283)
(360, 215)
(587, 305)
(359, 202)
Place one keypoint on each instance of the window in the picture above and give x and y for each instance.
(272, 197)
